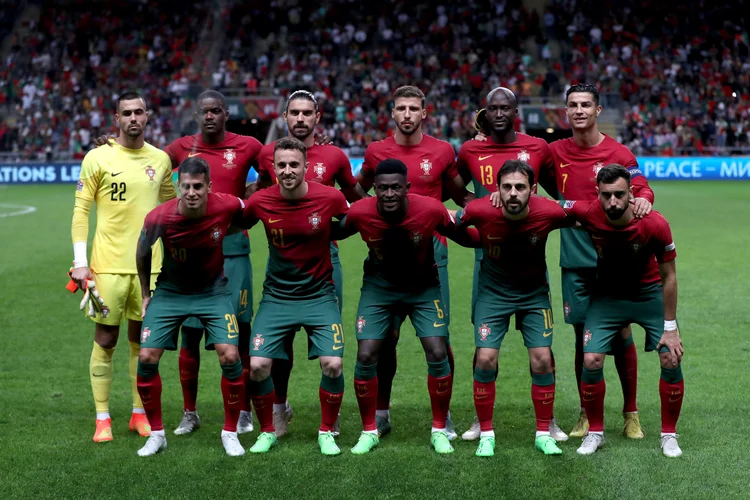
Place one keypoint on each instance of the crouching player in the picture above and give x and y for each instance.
(636, 283)
(191, 283)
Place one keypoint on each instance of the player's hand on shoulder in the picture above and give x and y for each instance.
(672, 341)
(80, 275)
(495, 199)
(104, 139)
(322, 139)
(641, 207)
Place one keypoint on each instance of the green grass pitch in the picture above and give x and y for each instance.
(47, 415)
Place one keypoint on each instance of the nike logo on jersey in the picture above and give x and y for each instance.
(190, 155)
(116, 174)
(482, 158)
(563, 165)
(273, 221)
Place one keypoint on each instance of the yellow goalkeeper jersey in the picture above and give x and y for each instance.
(126, 185)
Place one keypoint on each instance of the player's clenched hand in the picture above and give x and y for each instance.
(642, 207)
(80, 275)
(671, 339)
(103, 139)
(322, 139)
(144, 305)
(495, 200)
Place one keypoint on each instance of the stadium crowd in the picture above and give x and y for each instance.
(683, 79)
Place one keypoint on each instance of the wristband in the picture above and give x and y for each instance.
(670, 325)
(79, 254)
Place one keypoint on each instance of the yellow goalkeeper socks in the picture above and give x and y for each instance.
(100, 371)
(135, 349)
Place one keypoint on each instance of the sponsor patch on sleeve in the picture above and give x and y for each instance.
(569, 204)
(635, 172)
(669, 247)
(79, 186)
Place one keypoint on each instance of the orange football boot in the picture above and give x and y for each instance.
(103, 431)
(139, 423)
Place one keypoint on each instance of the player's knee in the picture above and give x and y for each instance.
(149, 356)
(260, 368)
(593, 361)
(228, 354)
(487, 359)
(435, 352)
(331, 366)
(367, 356)
(665, 360)
(106, 335)
(540, 360)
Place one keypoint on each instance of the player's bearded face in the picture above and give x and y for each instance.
(132, 117)
(211, 116)
(194, 190)
(290, 167)
(615, 198)
(301, 118)
(408, 114)
(582, 111)
(391, 190)
(515, 192)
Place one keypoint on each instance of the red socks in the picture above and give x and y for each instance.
(149, 388)
(671, 395)
(330, 404)
(233, 392)
(189, 368)
(626, 363)
(593, 403)
(543, 397)
(367, 399)
(484, 402)
(264, 411)
(441, 389)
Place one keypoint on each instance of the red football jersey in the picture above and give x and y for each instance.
(401, 255)
(430, 163)
(628, 255)
(482, 160)
(576, 168)
(325, 164)
(514, 250)
(193, 257)
(299, 243)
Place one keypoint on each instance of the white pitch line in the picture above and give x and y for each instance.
(22, 210)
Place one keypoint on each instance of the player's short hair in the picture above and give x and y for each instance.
(583, 88)
(194, 166)
(513, 166)
(212, 94)
(610, 173)
(129, 96)
(391, 166)
(408, 91)
(303, 95)
(290, 144)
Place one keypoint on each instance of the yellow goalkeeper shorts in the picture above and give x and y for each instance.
(122, 297)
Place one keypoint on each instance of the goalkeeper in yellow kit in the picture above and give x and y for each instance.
(126, 182)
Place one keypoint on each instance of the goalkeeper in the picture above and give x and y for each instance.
(126, 182)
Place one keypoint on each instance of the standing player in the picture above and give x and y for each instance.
(400, 279)
(298, 291)
(513, 281)
(326, 165)
(126, 181)
(480, 161)
(230, 157)
(192, 282)
(636, 282)
(431, 168)
(577, 161)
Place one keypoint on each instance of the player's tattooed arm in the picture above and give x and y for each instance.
(671, 337)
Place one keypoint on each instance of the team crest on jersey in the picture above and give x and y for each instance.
(105, 311)
(566, 310)
(416, 237)
(361, 324)
(534, 239)
(145, 334)
(569, 204)
(426, 166)
(314, 220)
(258, 341)
(319, 170)
(636, 247)
(484, 332)
(524, 155)
(598, 166)
(586, 338)
(215, 233)
(229, 156)
(150, 172)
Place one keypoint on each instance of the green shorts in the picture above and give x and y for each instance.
(577, 287)
(239, 272)
(533, 318)
(608, 315)
(168, 310)
(278, 319)
(379, 309)
(338, 276)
